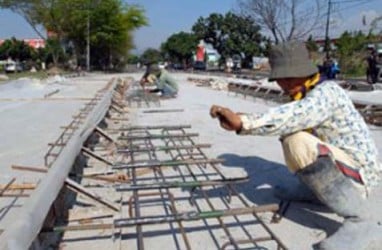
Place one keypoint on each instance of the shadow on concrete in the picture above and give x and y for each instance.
(264, 175)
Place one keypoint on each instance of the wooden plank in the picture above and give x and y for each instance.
(28, 168)
(21, 186)
(45, 99)
(2, 191)
(121, 178)
(14, 195)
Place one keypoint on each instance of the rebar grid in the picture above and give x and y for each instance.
(185, 179)
(139, 97)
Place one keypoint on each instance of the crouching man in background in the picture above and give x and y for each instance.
(164, 82)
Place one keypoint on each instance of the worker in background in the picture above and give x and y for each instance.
(326, 144)
(372, 69)
(165, 84)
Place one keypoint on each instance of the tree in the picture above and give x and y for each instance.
(109, 24)
(311, 45)
(285, 19)
(230, 34)
(53, 51)
(150, 56)
(110, 31)
(351, 48)
(132, 59)
(15, 49)
(180, 47)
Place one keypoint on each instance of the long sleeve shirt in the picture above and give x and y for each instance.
(166, 79)
(331, 113)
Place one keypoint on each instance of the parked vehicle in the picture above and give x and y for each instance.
(177, 66)
(199, 65)
(236, 59)
(12, 67)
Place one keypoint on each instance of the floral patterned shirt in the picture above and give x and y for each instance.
(331, 113)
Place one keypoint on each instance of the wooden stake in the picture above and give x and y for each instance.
(121, 178)
(73, 186)
(7, 186)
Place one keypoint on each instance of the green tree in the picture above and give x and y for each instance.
(132, 59)
(311, 45)
(15, 49)
(180, 47)
(110, 29)
(53, 51)
(351, 51)
(151, 55)
(108, 23)
(230, 34)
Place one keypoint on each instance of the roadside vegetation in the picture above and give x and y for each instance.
(28, 74)
(102, 32)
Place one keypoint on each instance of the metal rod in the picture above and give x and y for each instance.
(150, 220)
(194, 215)
(180, 184)
(78, 188)
(169, 127)
(156, 136)
(137, 201)
(163, 110)
(163, 148)
(95, 156)
(204, 193)
(173, 208)
(155, 163)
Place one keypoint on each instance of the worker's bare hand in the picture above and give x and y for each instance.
(143, 82)
(227, 118)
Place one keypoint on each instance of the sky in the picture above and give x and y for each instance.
(167, 17)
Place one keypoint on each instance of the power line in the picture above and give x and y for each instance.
(339, 10)
(354, 5)
(349, 1)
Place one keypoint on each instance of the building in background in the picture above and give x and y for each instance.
(35, 43)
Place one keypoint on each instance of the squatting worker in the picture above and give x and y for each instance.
(325, 141)
(164, 82)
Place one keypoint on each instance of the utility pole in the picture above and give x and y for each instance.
(327, 40)
(88, 42)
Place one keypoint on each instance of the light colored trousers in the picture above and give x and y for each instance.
(301, 149)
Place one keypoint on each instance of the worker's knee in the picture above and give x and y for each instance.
(300, 150)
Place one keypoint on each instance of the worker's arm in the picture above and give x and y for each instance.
(309, 112)
(144, 80)
(285, 119)
(228, 119)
